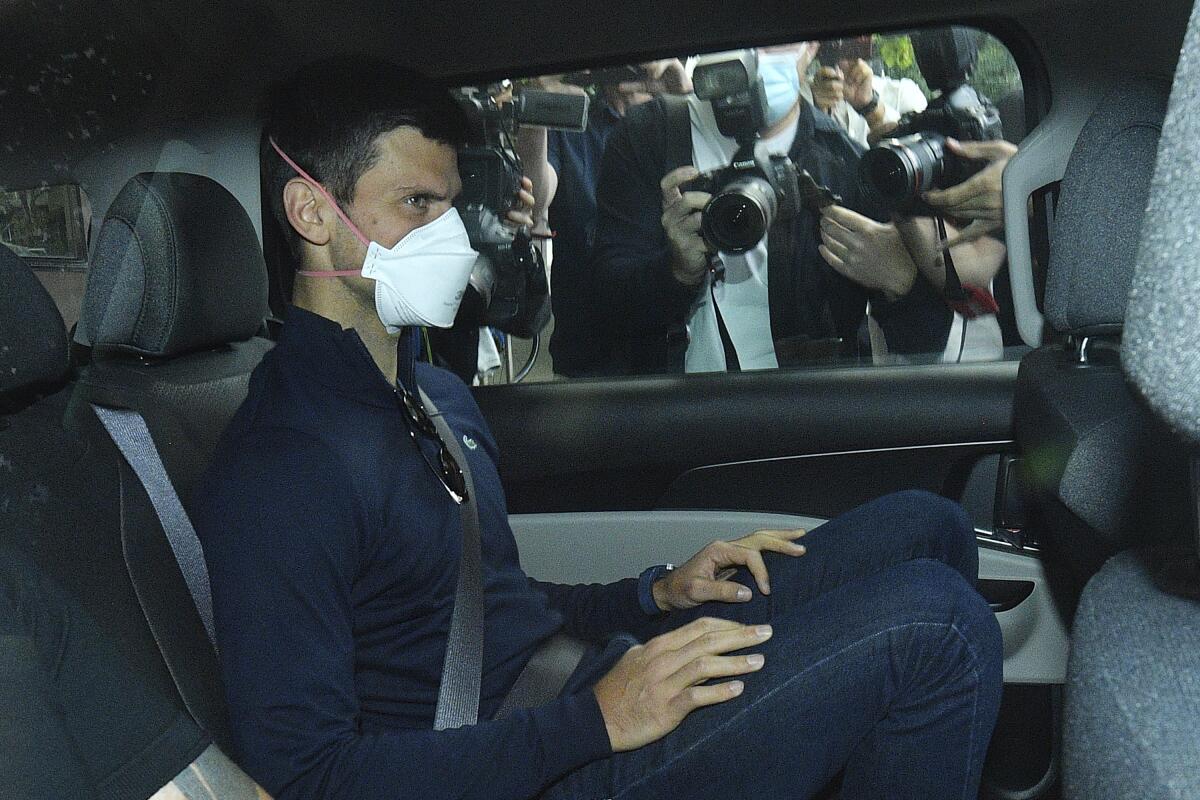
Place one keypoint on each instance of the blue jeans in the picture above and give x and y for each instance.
(885, 663)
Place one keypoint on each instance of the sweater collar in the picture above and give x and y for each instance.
(337, 358)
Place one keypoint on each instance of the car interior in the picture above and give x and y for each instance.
(132, 134)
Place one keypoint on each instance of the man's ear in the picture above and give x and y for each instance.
(308, 212)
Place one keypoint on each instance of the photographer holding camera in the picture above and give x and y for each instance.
(746, 151)
(930, 182)
(866, 105)
(565, 168)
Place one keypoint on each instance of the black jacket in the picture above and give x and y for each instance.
(647, 308)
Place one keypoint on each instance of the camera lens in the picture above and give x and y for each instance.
(738, 217)
(898, 171)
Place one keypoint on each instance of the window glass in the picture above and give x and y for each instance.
(45, 225)
(672, 215)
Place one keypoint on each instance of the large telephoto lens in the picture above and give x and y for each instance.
(899, 171)
(738, 217)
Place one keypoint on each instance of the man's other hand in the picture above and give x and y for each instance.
(703, 577)
(980, 198)
(681, 221)
(828, 88)
(654, 686)
(867, 252)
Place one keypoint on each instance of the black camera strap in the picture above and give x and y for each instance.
(732, 364)
(969, 301)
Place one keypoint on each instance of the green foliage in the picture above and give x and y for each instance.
(995, 75)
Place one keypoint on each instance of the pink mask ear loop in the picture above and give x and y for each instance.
(324, 193)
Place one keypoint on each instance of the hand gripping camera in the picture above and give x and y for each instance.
(898, 170)
(508, 288)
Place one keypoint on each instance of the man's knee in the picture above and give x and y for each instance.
(946, 596)
(940, 528)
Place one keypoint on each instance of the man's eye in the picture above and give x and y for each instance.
(419, 202)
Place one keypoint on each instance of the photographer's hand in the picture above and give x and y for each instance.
(859, 82)
(654, 686)
(667, 76)
(867, 252)
(980, 198)
(522, 215)
(828, 88)
(690, 254)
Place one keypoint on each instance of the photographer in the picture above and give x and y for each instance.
(565, 167)
(655, 271)
(866, 105)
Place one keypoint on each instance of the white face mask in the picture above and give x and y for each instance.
(420, 280)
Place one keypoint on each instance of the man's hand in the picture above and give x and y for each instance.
(858, 82)
(701, 578)
(980, 198)
(867, 252)
(522, 214)
(828, 88)
(654, 686)
(681, 220)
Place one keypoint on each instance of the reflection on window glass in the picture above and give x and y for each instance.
(791, 206)
(44, 224)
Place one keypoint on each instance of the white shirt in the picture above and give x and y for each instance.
(742, 296)
(899, 97)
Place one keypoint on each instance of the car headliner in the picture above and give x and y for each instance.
(78, 75)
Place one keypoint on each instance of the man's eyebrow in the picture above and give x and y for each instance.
(407, 190)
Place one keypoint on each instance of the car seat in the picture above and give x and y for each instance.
(1103, 473)
(174, 305)
(89, 707)
(175, 300)
(1133, 682)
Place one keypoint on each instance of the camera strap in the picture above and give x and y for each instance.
(732, 364)
(969, 301)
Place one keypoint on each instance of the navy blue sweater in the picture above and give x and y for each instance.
(334, 555)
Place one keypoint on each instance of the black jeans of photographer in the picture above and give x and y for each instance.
(884, 662)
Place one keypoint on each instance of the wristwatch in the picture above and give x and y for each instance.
(871, 106)
(646, 588)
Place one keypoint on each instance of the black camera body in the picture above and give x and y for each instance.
(750, 193)
(747, 197)
(508, 288)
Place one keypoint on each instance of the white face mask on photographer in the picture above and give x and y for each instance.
(781, 80)
(419, 281)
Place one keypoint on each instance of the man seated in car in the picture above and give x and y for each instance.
(331, 524)
(655, 270)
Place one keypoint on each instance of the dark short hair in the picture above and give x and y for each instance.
(328, 116)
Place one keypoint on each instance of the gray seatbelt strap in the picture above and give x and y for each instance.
(129, 432)
(462, 667)
(545, 675)
(546, 672)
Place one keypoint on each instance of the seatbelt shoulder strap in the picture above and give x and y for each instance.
(131, 436)
(462, 666)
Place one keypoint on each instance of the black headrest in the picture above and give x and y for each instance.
(177, 268)
(33, 340)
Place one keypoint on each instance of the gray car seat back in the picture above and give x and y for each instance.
(1103, 471)
(1100, 211)
(1160, 351)
(175, 301)
(1133, 691)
